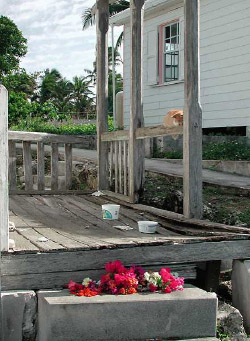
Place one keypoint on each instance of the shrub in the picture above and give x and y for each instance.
(36, 124)
(229, 150)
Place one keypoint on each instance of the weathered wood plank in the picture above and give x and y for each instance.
(125, 168)
(111, 165)
(40, 166)
(136, 147)
(192, 130)
(68, 165)
(4, 197)
(38, 214)
(21, 243)
(56, 237)
(178, 218)
(102, 25)
(119, 135)
(12, 165)
(27, 163)
(161, 130)
(54, 166)
(116, 166)
(142, 133)
(43, 137)
(154, 255)
(50, 192)
(39, 240)
(120, 165)
(60, 279)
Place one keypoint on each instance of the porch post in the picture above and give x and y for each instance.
(102, 24)
(4, 199)
(136, 147)
(192, 129)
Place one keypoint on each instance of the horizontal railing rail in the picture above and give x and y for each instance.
(142, 133)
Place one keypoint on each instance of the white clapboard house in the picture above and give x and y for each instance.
(224, 56)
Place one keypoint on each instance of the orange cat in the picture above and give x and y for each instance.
(173, 118)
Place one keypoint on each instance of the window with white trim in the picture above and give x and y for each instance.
(169, 52)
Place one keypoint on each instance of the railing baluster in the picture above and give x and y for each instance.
(40, 166)
(125, 166)
(68, 165)
(54, 166)
(12, 165)
(111, 164)
(116, 166)
(27, 163)
(120, 166)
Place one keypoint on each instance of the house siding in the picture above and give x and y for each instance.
(225, 66)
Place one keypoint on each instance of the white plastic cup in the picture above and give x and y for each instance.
(147, 226)
(110, 211)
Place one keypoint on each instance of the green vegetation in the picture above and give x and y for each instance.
(221, 334)
(228, 150)
(13, 46)
(37, 100)
(39, 125)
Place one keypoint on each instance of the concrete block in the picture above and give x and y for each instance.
(179, 315)
(241, 290)
(19, 315)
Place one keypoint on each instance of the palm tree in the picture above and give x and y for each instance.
(82, 96)
(91, 74)
(62, 95)
(88, 18)
(47, 87)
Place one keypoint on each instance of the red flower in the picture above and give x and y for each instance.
(152, 287)
(167, 290)
(72, 286)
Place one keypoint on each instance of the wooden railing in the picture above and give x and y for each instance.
(118, 146)
(28, 139)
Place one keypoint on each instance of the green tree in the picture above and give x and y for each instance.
(48, 84)
(13, 46)
(21, 81)
(62, 96)
(82, 96)
(88, 17)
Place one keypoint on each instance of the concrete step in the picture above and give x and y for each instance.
(189, 314)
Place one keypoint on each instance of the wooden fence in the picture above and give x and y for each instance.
(118, 161)
(27, 139)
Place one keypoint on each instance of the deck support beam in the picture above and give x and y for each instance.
(136, 147)
(192, 129)
(102, 20)
(4, 196)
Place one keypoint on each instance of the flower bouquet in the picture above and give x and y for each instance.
(119, 280)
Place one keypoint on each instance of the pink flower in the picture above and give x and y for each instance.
(115, 267)
(165, 274)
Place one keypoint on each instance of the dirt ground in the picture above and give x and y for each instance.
(222, 205)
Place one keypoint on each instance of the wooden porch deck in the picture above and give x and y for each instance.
(59, 237)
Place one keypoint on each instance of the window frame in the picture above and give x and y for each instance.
(162, 52)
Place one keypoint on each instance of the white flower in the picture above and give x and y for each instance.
(86, 281)
(146, 276)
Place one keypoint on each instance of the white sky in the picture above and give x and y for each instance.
(54, 32)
